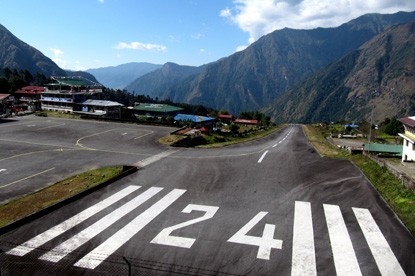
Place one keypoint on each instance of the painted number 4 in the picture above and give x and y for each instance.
(265, 243)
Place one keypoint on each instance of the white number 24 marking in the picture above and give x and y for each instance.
(265, 243)
(164, 236)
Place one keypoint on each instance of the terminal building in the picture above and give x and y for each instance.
(65, 93)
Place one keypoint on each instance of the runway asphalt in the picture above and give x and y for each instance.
(267, 207)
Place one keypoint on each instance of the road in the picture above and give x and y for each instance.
(267, 207)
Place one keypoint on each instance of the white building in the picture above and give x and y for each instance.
(408, 153)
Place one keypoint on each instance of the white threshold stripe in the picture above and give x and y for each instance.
(262, 157)
(382, 253)
(68, 246)
(343, 253)
(154, 158)
(104, 250)
(303, 258)
(57, 230)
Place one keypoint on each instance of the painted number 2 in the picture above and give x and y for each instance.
(164, 236)
(265, 243)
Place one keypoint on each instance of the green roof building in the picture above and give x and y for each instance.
(156, 110)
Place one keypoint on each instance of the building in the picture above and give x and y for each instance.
(5, 105)
(246, 122)
(408, 153)
(64, 93)
(156, 111)
(225, 118)
(199, 121)
(99, 108)
(28, 98)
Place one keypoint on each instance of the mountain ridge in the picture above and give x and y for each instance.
(16, 54)
(378, 76)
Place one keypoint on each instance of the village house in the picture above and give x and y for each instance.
(28, 98)
(5, 105)
(408, 153)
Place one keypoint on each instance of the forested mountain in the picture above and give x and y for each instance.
(15, 54)
(251, 79)
(118, 77)
(379, 75)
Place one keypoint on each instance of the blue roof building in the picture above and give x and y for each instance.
(194, 118)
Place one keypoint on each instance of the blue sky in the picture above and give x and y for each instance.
(83, 34)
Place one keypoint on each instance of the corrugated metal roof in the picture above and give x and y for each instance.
(3, 96)
(162, 108)
(245, 121)
(410, 121)
(31, 90)
(386, 148)
(101, 103)
(75, 81)
(192, 118)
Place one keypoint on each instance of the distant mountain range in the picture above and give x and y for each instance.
(293, 75)
(118, 77)
(266, 70)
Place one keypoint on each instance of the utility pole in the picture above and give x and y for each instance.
(370, 129)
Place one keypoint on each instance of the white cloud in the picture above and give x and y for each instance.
(141, 46)
(260, 17)
(58, 57)
(241, 48)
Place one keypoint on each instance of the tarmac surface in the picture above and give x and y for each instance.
(267, 207)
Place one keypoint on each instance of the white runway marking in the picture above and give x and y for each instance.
(2, 170)
(265, 242)
(50, 126)
(154, 158)
(57, 230)
(141, 136)
(303, 258)
(384, 257)
(343, 253)
(104, 250)
(82, 237)
(262, 157)
(26, 178)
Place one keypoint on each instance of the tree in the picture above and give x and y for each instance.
(234, 128)
(393, 127)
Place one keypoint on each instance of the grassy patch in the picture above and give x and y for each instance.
(320, 143)
(57, 114)
(400, 198)
(170, 139)
(217, 141)
(32, 203)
